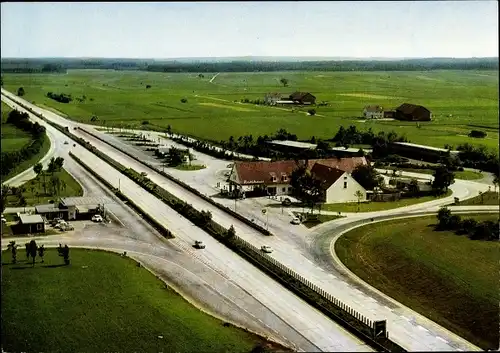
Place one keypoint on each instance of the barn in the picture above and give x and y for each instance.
(412, 112)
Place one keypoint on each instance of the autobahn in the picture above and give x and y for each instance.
(425, 335)
(317, 331)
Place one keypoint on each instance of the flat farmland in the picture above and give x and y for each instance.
(459, 100)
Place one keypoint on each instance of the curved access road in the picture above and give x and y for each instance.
(305, 325)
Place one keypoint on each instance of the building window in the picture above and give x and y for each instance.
(345, 184)
(284, 178)
(273, 179)
(39, 226)
(283, 190)
(345, 178)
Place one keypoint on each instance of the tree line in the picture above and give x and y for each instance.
(11, 159)
(57, 65)
(486, 230)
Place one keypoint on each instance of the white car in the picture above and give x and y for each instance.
(199, 244)
(61, 225)
(296, 220)
(266, 249)
(96, 218)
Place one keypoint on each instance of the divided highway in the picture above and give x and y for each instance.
(322, 333)
(426, 335)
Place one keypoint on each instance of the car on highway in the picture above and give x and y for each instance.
(144, 174)
(267, 249)
(198, 244)
(66, 142)
(295, 220)
(96, 218)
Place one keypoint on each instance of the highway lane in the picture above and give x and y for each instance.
(421, 336)
(313, 325)
(413, 337)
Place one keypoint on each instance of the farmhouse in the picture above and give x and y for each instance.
(303, 98)
(29, 224)
(272, 98)
(337, 185)
(273, 178)
(373, 112)
(412, 112)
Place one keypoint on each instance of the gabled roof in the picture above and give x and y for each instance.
(299, 95)
(374, 108)
(327, 175)
(347, 164)
(261, 172)
(30, 219)
(407, 108)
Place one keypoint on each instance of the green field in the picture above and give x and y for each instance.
(13, 139)
(446, 277)
(488, 198)
(121, 98)
(103, 303)
(34, 186)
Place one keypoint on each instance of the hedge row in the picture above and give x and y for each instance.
(188, 187)
(321, 300)
(160, 228)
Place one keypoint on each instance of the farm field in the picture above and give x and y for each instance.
(104, 303)
(13, 139)
(424, 270)
(459, 100)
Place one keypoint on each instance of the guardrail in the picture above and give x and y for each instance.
(373, 333)
(185, 186)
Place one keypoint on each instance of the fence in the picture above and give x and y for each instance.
(372, 332)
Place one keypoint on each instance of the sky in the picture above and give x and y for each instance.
(220, 29)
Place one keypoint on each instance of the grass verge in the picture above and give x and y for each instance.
(487, 198)
(379, 206)
(190, 167)
(424, 270)
(104, 303)
(35, 193)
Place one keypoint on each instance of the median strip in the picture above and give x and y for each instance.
(372, 332)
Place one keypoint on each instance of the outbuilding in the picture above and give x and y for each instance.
(412, 112)
(337, 185)
(29, 224)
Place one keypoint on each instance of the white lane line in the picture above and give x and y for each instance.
(422, 328)
(404, 317)
(442, 339)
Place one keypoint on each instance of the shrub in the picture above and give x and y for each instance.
(184, 100)
(148, 86)
(145, 122)
(312, 111)
(477, 134)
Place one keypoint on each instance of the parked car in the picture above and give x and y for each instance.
(54, 221)
(96, 218)
(61, 224)
(66, 227)
(295, 220)
(198, 244)
(267, 249)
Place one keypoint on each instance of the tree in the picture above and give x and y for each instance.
(284, 82)
(366, 176)
(443, 178)
(33, 250)
(20, 92)
(22, 201)
(13, 248)
(184, 100)
(174, 157)
(231, 232)
(443, 216)
(312, 111)
(41, 252)
(38, 168)
(148, 86)
(59, 162)
(359, 195)
(206, 216)
(413, 187)
(55, 183)
(5, 193)
(27, 246)
(496, 181)
(169, 130)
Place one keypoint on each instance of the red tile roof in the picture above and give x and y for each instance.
(262, 172)
(327, 175)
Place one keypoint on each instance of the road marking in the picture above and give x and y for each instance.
(442, 339)
(422, 328)
(404, 317)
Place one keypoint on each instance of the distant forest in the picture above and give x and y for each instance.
(61, 65)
